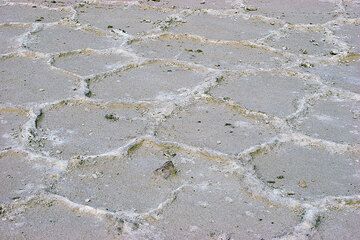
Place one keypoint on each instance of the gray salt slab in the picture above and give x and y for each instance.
(218, 209)
(19, 177)
(62, 39)
(223, 28)
(88, 63)
(213, 126)
(86, 129)
(132, 20)
(120, 184)
(190, 4)
(210, 55)
(9, 34)
(333, 120)
(11, 121)
(309, 173)
(302, 43)
(352, 8)
(265, 92)
(295, 12)
(342, 224)
(29, 14)
(342, 75)
(148, 82)
(351, 35)
(53, 220)
(35, 83)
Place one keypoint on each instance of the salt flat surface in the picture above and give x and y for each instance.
(144, 119)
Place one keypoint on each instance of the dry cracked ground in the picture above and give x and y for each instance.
(192, 119)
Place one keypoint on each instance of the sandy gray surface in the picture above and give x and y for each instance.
(214, 119)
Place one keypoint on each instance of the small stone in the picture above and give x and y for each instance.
(166, 170)
(39, 19)
(87, 200)
(41, 90)
(251, 8)
(307, 65)
(303, 51)
(111, 117)
(334, 52)
(302, 184)
(2, 210)
(218, 142)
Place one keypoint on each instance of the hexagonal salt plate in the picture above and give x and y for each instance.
(156, 80)
(35, 83)
(190, 4)
(343, 75)
(223, 28)
(341, 224)
(91, 62)
(214, 126)
(132, 20)
(20, 177)
(295, 12)
(351, 35)
(8, 40)
(302, 43)
(30, 14)
(334, 120)
(120, 183)
(11, 120)
(267, 92)
(46, 219)
(210, 55)
(63, 39)
(84, 128)
(309, 173)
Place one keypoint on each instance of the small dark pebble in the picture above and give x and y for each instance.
(166, 170)
(39, 19)
(111, 117)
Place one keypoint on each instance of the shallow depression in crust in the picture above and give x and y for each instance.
(78, 128)
(88, 62)
(309, 173)
(214, 126)
(35, 83)
(154, 81)
(60, 38)
(215, 56)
